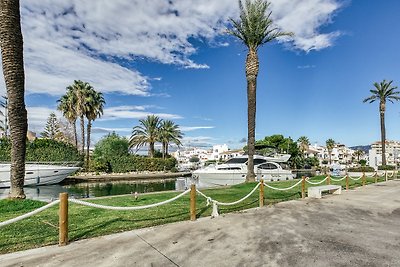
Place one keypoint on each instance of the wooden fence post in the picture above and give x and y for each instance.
(363, 179)
(386, 176)
(328, 180)
(303, 187)
(261, 193)
(63, 220)
(376, 177)
(193, 202)
(347, 182)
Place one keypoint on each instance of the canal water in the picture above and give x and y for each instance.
(88, 190)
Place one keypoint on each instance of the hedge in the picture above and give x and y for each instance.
(362, 169)
(387, 167)
(131, 163)
(42, 150)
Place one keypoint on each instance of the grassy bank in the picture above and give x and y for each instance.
(85, 222)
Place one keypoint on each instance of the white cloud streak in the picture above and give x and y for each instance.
(194, 128)
(133, 112)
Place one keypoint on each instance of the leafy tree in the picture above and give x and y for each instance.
(362, 162)
(194, 159)
(384, 91)
(11, 44)
(330, 144)
(169, 132)
(146, 133)
(254, 28)
(94, 109)
(52, 129)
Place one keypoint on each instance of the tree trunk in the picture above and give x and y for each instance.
(89, 128)
(75, 134)
(11, 43)
(163, 150)
(252, 66)
(151, 149)
(166, 149)
(83, 135)
(383, 136)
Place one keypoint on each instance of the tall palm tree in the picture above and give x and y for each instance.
(94, 109)
(254, 28)
(330, 144)
(384, 91)
(169, 132)
(81, 90)
(67, 105)
(11, 43)
(303, 143)
(146, 133)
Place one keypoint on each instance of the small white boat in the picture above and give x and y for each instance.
(37, 174)
(234, 171)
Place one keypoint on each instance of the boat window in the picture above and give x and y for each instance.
(259, 161)
(229, 168)
(268, 166)
(236, 161)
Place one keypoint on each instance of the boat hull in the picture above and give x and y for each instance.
(36, 174)
(211, 178)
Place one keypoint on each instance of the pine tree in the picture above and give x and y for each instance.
(52, 129)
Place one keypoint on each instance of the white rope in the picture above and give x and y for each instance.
(29, 214)
(283, 189)
(355, 179)
(338, 180)
(209, 199)
(390, 176)
(380, 175)
(93, 205)
(315, 183)
(375, 173)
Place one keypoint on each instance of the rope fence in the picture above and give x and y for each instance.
(64, 200)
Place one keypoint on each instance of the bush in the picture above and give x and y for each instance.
(42, 150)
(387, 167)
(362, 169)
(363, 162)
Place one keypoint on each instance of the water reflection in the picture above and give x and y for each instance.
(85, 190)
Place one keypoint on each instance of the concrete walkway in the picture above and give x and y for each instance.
(358, 228)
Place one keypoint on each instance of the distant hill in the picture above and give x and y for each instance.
(363, 148)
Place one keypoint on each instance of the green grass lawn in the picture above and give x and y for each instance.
(84, 222)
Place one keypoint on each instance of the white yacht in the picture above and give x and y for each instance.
(234, 171)
(37, 174)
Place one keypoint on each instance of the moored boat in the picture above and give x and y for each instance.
(234, 171)
(37, 174)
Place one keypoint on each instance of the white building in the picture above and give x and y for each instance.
(392, 153)
(340, 155)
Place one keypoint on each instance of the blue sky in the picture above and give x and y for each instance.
(172, 58)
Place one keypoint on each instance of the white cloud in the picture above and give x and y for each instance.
(193, 128)
(133, 112)
(304, 18)
(198, 141)
(37, 117)
(76, 39)
(102, 130)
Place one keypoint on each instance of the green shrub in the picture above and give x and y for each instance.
(363, 162)
(42, 150)
(362, 169)
(387, 167)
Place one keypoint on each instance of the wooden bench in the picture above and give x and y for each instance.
(316, 191)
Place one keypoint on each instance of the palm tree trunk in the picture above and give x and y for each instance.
(383, 137)
(252, 66)
(151, 149)
(163, 150)
(89, 127)
(166, 149)
(75, 134)
(83, 135)
(11, 43)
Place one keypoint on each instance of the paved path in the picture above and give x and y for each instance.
(358, 228)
